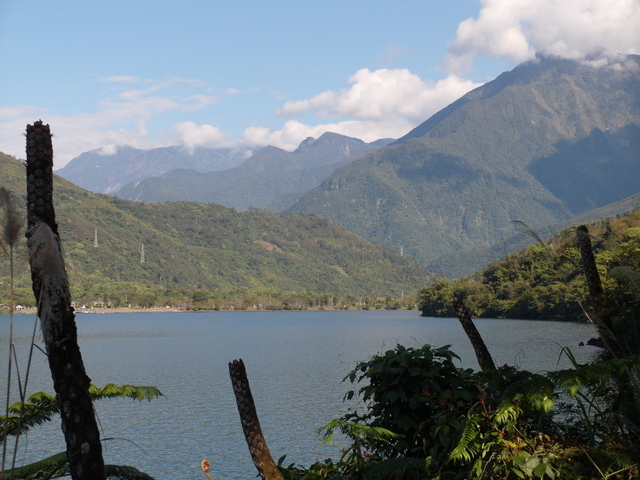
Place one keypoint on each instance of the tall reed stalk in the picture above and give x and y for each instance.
(11, 227)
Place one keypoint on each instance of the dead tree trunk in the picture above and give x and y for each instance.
(482, 352)
(51, 289)
(603, 319)
(258, 449)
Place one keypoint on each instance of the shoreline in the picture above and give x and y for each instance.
(83, 311)
(176, 310)
(88, 311)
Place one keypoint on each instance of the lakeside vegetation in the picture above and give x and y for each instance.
(544, 281)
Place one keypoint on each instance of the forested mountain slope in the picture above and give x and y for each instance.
(202, 249)
(462, 263)
(547, 141)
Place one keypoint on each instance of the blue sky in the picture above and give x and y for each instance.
(246, 74)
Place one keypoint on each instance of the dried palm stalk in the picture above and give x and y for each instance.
(51, 289)
(258, 449)
(482, 352)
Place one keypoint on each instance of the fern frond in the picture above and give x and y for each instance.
(50, 467)
(533, 392)
(594, 375)
(540, 395)
(506, 412)
(40, 407)
(466, 448)
(36, 410)
(359, 431)
(134, 392)
(57, 466)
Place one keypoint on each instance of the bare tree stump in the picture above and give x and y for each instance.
(51, 289)
(482, 352)
(258, 449)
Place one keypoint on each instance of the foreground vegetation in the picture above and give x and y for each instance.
(421, 417)
(544, 281)
(42, 407)
(424, 418)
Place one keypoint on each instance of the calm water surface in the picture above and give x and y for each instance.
(295, 362)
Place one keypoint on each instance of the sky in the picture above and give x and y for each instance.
(244, 74)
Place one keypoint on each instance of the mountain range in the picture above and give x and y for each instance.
(102, 172)
(271, 178)
(191, 248)
(543, 143)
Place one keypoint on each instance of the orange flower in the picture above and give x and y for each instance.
(204, 465)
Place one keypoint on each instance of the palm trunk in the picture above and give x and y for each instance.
(258, 449)
(51, 289)
(482, 352)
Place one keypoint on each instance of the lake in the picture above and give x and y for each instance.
(295, 363)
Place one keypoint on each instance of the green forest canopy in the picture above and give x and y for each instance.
(544, 281)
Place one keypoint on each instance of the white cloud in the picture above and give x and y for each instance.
(120, 79)
(294, 132)
(75, 134)
(199, 101)
(193, 136)
(575, 29)
(120, 119)
(376, 104)
(17, 111)
(392, 53)
(157, 98)
(383, 96)
(385, 103)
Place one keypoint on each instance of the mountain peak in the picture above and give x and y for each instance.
(542, 74)
(326, 138)
(307, 142)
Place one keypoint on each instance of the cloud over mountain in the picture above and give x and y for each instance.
(379, 103)
(383, 94)
(573, 29)
(192, 136)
